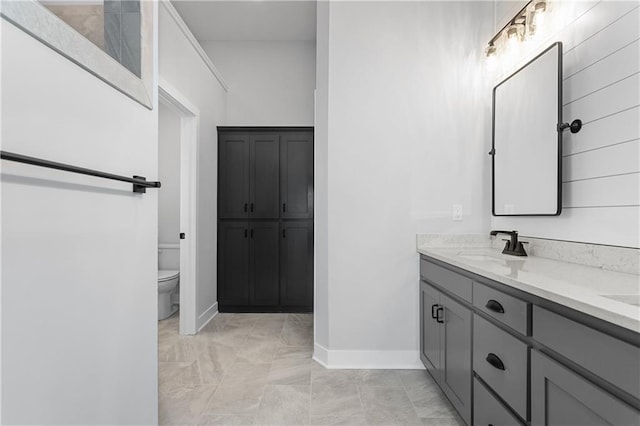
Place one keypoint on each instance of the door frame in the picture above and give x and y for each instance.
(189, 148)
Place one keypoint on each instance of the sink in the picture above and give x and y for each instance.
(630, 299)
(479, 257)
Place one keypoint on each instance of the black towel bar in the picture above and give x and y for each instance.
(140, 183)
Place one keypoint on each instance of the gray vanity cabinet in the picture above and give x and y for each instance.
(429, 329)
(561, 397)
(534, 362)
(446, 346)
(455, 343)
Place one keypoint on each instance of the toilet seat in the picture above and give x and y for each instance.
(167, 275)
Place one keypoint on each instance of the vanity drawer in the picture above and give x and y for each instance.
(507, 309)
(612, 359)
(501, 361)
(455, 283)
(487, 410)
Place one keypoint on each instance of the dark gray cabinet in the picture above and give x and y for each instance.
(446, 346)
(560, 397)
(265, 215)
(263, 263)
(248, 263)
(296, 175)
(233, 176)
(264, 197)
(233, 262)
(249, 167)
(296, 271)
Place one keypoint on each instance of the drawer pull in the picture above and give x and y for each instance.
(433, 313)
(495, 306)
(438, 317)
(495, 361)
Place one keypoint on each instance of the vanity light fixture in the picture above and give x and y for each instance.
(521, 26)
(491, 50)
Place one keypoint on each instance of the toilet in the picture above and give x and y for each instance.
(168, 293)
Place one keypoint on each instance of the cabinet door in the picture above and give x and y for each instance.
(561, 397)
(429, 329)
(296, 175)
(233, 263)
(455, 344)
(296, 277)
(263, 263)
(264, 177)
(233, 176)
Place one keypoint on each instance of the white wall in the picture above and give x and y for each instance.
(79, 288)
(320, 181)
(169, 173)
(185, 70)
(271, 83)
(407, 114)
(601, 164)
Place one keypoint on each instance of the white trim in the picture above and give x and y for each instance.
(169, 246)
(207, 316)
(320, 355)
(189, 148)
(171, 10)
(369, 360)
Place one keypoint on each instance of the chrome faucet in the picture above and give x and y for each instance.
(513, 247)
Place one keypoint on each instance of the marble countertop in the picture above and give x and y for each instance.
(607, 295)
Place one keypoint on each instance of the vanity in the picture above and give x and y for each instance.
(530, 340)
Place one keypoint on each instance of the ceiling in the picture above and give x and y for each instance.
(249, 20)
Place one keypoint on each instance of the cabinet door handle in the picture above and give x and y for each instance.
(495, 361)
(245, 232)
(433, 313)
(252, 233)
(284, 207)
(495, 306)
(245, 207)
(284, 233)
(438, 317)
(251, 207)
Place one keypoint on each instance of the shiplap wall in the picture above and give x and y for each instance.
(601, 164)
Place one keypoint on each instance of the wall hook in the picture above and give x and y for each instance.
(574, 127)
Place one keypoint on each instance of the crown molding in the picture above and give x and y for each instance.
(171, 10)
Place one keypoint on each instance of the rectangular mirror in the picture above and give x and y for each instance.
(112, 25)
(111, 39)
(527, 141)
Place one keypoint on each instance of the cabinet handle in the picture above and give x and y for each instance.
(251, 207)
(438, 318)
(245, 207)
(495, 361)
(284, 207)
(284, 233)
(495, 306)
(245, 232)
(433, 314)
(252, 233)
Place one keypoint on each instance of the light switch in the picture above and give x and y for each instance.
(457, 212)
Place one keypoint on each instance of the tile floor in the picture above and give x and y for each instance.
(256, 369)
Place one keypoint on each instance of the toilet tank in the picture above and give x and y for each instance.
(169, 256)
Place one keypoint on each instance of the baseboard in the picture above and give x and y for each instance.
(207, 316)
(370, 360)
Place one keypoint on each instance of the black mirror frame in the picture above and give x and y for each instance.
(559, 131)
